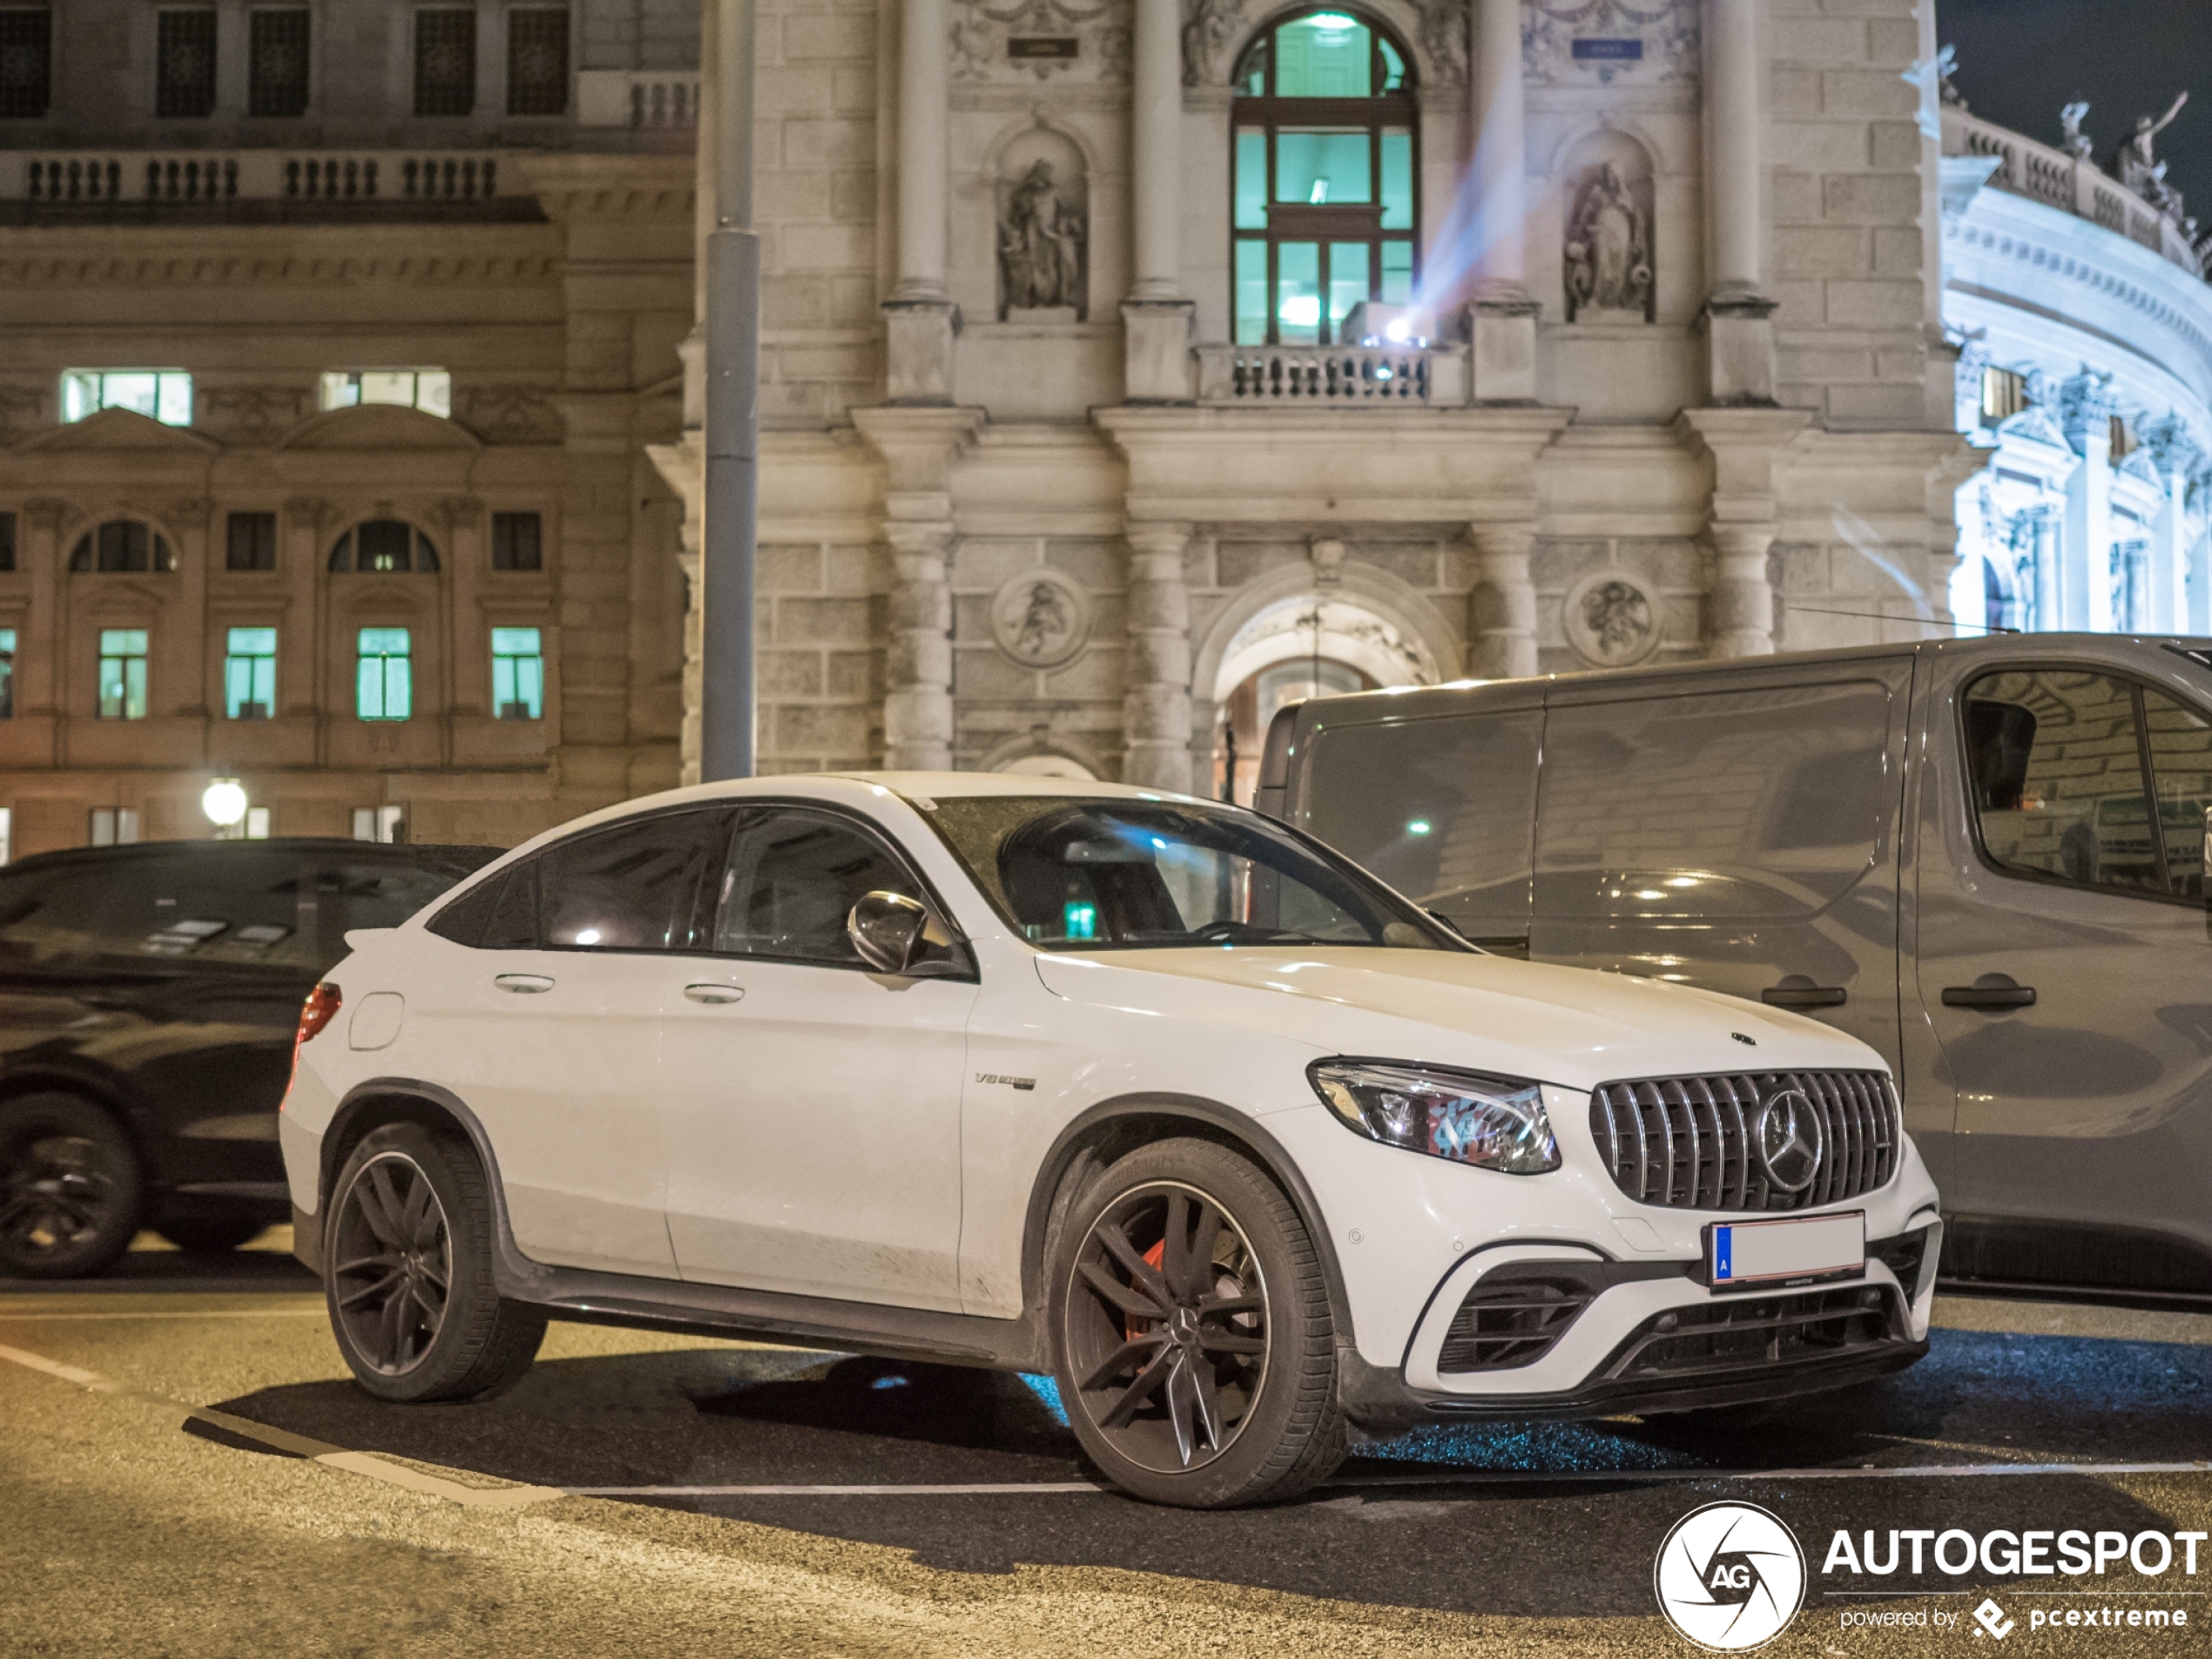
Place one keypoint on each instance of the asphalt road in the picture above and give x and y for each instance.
(184, 1469)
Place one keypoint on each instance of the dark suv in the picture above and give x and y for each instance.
(148, 999)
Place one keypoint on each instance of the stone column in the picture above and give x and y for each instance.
(1156, 709)
(919, 448)
(918, 666)
(1739, 337)
(2176, 457)
(1501, 611)
(1741, 614)
(920, 311)
(1156, 316)
(1504, 314)
(2086, 408)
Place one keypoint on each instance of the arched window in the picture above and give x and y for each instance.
(1324, 209)
(122, 544)
(384, 544)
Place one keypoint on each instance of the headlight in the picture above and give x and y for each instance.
(1492, 1122)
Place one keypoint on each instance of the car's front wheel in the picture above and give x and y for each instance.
(1196, 1351)
(407, 1272)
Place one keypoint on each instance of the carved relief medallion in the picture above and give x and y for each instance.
(1612, 619)
(1041, 618)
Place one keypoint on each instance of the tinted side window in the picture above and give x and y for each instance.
(791, 878)
(2054, 761)
(463, 922)
(383, 892)
(236, 907)
(1740, 803)
(631, 886)
(2181, 764)
(51, 918)
(1441, 809)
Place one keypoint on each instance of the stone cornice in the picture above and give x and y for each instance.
(611, 185)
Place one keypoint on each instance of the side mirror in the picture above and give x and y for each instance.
(887, 929)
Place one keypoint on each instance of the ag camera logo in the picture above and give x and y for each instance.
(1729, 1577)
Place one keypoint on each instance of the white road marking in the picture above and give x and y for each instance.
(29, 1317)
(55, 1368)
(972, 1490)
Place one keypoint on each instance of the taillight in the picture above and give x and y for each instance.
(318, 1011)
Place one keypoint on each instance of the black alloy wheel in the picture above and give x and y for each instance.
(393, 1268)
(70, 1188)
(1197, 1348)
(408, 1272)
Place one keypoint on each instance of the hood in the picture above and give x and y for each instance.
(1571, 1026)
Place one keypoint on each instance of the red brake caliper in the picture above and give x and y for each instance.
(1153, 1259)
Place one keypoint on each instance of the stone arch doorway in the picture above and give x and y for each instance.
(1309, 644)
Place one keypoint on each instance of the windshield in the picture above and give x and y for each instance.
(1135, 875)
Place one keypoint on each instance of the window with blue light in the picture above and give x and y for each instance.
(1324, 209)
(517, 674)
(7, 673)
(249, 674)
(163, 395)
(384, 684)
(123, 673)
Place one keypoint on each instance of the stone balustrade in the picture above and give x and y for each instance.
(61, 181)
(1330, 376)
(642, 99)
(2068, 183)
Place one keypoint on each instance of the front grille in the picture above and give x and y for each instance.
(1510, 1321)
(1731, 1334)
(1691, 1143)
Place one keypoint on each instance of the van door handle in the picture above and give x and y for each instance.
(710, 993)
(1797, 991)
(1990, 991)
(524, 984)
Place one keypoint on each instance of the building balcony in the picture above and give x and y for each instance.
(259, 186)
(2073, 185)
(1335, 377)
(642, 100)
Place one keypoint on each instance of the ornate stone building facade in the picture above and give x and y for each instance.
(1137, 364)
(1129, 366)
(332, 336)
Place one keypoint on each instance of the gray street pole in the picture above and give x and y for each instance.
(726, 704)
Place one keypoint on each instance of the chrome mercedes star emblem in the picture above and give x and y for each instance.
(1790, 1140)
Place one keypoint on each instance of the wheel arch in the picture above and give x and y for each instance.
(373, 1104)
(111, 1094)
(1113, 1128)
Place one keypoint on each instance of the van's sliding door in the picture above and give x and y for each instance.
(1737, 832)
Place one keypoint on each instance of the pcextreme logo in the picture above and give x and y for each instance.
(1729, 1577)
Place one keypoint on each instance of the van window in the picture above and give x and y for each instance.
(1441, 809)
(2054, 760)
(1765, 803)
(2181, 764)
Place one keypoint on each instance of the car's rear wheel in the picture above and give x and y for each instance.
(407, 1272)
(1196, 1351)
(70, 1187)
(211, 1235)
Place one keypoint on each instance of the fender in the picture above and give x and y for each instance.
(1240, 1127)
(514, 1275)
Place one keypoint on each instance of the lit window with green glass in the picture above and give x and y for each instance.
(384, 687)
(1325, 211)
(517, 674)
(123, 673)
(7, 673)
(249, 674)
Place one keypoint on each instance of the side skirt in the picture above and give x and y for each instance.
(620, 1299)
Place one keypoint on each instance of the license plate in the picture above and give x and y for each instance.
(1767, 1252)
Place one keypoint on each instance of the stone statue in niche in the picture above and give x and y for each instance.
(1609, 247)
(1043, 230)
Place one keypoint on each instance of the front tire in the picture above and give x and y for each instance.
(1195, 1346)
(407, 1272)
(71, 1189)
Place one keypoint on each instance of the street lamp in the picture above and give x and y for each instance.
(224, 802)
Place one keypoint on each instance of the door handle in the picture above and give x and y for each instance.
(1797, 991)
(526, 984)
(710, 993)
(1990, 991)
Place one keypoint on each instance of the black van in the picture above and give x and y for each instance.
(148, 998)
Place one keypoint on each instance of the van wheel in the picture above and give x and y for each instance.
(212, 1235)
(407, 1272)
(70, 1187)
(1195, 1349)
